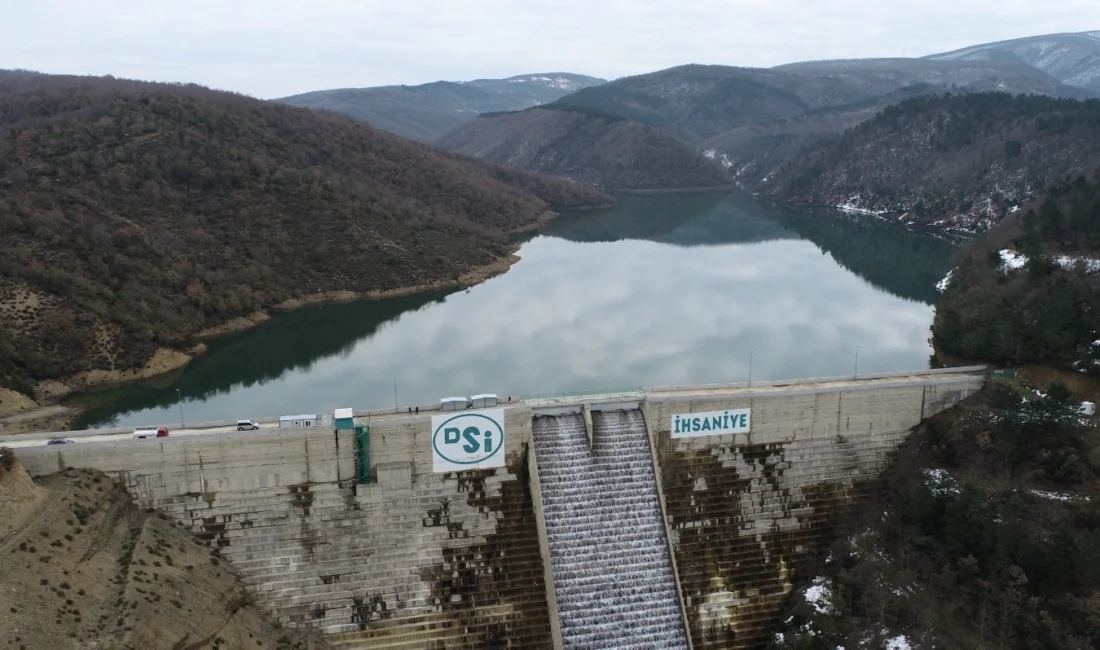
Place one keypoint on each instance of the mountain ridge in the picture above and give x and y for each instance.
(1071, 57)
(424, 112)
(752, 121)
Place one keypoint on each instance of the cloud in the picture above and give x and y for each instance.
(272, 48)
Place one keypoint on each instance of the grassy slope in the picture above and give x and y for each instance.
(84, 568)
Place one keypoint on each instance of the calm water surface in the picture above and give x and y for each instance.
(661, 290)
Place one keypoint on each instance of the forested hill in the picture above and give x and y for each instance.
(961, 161)
(134, 215)
(752, 121)
(1037, 303)
(588, 147)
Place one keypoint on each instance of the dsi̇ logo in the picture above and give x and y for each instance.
(469, 440)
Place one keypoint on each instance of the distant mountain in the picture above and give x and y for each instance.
(1073, 59)
(751, 121)
(427, 111)
(586, 147)
(952, 161)
(135, 215)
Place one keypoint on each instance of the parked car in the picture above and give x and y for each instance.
(60, 441)
(159, 432)
(247, 425)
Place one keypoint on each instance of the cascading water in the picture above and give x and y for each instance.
(612, 574)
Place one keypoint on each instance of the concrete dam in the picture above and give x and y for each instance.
(670, 517)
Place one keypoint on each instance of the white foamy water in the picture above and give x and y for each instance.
(612, 573)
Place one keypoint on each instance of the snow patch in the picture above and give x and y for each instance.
(940, 483)
(1011, 260)
(853, 208)
(818, 595)
(1058, 496)
(941, 286)
(898, 642)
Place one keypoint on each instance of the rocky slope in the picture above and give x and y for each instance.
(952, 161)
(427, 111)
(585, 147)
(133, 216)
(84, 568)
(1073, 59)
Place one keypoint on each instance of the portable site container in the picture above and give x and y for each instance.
(297, 421)
(453, 404)
(483, 401)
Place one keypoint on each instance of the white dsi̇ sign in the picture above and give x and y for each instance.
(468, 440)
(711, 423)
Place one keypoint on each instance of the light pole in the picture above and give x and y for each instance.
(751, 355)
(855, 370)
(179, 400)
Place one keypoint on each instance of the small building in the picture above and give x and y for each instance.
(452, 404)
(485, 400)
(297, 421)
(343, 419)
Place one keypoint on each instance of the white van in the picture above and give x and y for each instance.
(247, 425)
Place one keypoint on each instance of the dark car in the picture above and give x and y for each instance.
(60, 441)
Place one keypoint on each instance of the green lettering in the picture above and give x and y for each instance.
(706, 424)
(450, 435)
(472, 444)
(695, 424)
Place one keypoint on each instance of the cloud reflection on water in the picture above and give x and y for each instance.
(576, 315)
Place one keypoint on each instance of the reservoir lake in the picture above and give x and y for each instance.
(663, 289)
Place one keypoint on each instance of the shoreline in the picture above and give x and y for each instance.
(674, 190)
(49, 393)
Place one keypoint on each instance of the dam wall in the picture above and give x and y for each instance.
(419, 558)
(746, 510)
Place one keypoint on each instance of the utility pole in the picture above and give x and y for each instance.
(855, 370)
(179, 400)
(751, 355)
(396, 408)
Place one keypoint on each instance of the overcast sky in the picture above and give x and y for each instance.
(272, 48)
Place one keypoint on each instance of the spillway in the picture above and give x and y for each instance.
(613, 577)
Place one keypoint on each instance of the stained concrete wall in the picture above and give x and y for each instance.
(416, 560)
(424, 560)
(744, 510)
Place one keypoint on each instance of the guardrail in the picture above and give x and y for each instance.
(584, 393)
(780, 383)
(595, 394)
